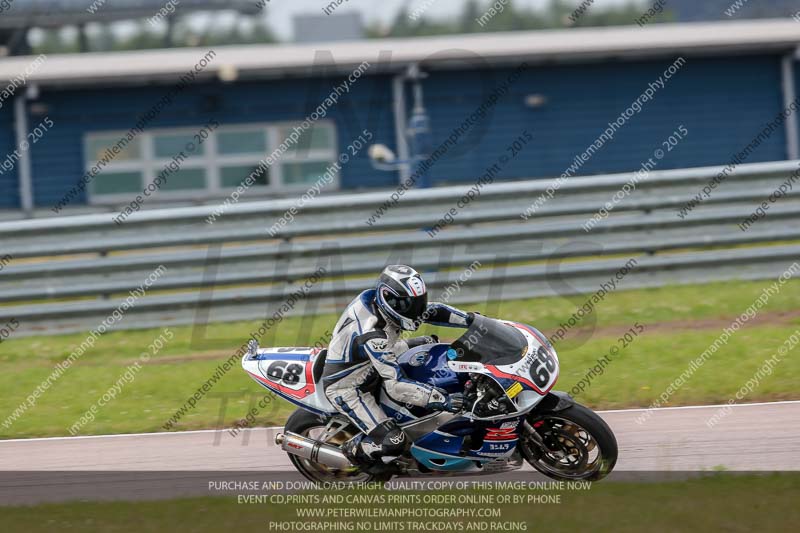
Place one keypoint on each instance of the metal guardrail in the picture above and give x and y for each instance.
(69, 273)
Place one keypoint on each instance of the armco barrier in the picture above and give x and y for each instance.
(68, 273)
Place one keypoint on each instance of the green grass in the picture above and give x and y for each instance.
(641, 372)
(636, 376)
(718, 502)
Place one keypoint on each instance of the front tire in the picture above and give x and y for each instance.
(311, 425)
(569, 444)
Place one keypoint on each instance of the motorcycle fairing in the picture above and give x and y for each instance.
(441, 461)
(289, 372)
(441, 450)
(428, 364)
(521, 371)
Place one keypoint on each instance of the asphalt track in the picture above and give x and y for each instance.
(752, 437)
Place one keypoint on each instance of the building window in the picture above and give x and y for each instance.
(224, 160)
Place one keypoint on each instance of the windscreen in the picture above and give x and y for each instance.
(490, 341)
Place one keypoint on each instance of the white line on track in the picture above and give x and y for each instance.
(678, 407)
(175, 433)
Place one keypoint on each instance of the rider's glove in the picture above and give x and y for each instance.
(441, 401)
(429, 339)
(422, 341)
(455, 402)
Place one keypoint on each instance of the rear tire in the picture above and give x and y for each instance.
(311, 425)
(579, 445)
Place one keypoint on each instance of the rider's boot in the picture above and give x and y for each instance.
(386, 440)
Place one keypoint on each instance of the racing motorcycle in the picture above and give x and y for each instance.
(505, 370)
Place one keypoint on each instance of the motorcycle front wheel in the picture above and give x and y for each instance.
(570, 444)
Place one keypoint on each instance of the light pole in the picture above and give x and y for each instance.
(418, 134)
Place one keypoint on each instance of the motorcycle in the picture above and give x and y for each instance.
(505, 370)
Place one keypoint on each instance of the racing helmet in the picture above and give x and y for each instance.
(401, 296)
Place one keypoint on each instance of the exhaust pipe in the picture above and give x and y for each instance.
(313, 450)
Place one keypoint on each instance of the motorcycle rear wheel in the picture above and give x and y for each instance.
(312, 426)
(571, 444)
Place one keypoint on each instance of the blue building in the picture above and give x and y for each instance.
(114, 121)
(692, 11)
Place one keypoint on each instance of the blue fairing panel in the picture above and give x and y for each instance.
(428, 364)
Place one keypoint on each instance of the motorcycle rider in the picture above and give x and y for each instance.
(363, 351)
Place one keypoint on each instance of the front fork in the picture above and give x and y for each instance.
(552, 403)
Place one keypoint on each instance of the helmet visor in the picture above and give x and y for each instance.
(410, 307)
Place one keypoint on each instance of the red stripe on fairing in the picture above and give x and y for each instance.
(499, 373)
(505, 434)
(541, 340)
(306, 391)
